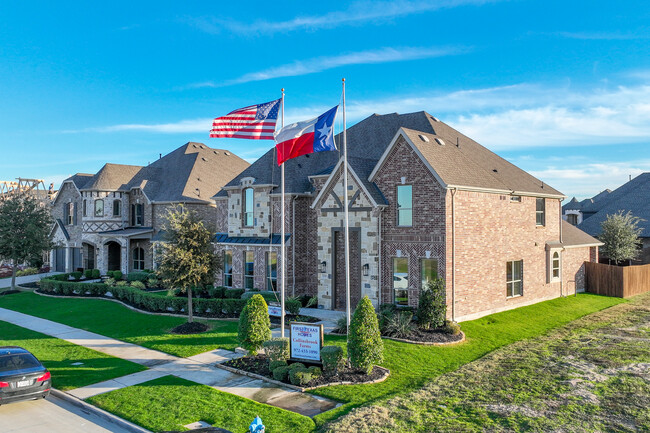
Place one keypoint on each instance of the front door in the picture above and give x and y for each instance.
(59, 259)
(114, 256)
(339, 295)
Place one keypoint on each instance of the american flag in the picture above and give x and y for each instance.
(256, 122)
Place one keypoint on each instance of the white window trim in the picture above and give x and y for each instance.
(513, 281)
(549, 258)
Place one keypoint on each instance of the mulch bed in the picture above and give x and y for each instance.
(425, 336)
(9, 292)
(190, 328)
(260, 365)
(33, 285)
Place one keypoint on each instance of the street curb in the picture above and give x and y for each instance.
(107, 416)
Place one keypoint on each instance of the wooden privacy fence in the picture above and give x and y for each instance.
(618, 281)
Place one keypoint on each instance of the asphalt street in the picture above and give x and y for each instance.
(51, 415)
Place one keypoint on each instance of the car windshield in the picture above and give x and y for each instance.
(18, 362)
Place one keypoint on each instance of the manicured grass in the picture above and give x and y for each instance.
(59, 355)
(412, 366)
(169, 403)
(114, 320)
(590, 375)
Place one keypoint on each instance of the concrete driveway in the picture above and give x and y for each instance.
(6, 282)
(52, 415)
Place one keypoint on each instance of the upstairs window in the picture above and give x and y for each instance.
(247, 207)
(99, 208)
(117, 208)
(572, 219)
(137, 214)
(69, 214)
(405, 205)
(227, 268)
(540, 212)
(514, 278)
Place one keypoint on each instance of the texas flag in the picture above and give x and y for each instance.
(309, 136)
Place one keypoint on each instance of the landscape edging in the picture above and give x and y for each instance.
(298, 388)
(134, 428)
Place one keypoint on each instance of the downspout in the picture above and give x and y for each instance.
(453, 256)
(561, 258)
(293, 246)
(381, 211)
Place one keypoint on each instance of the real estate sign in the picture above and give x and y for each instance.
(306, 341)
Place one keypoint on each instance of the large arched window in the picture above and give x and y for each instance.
(247, 207)
(99, 208)
(138, 259)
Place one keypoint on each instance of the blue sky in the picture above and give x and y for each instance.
(560, 88)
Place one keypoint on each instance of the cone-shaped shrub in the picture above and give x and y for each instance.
(254, 324)
(432, 307)
(365, 347)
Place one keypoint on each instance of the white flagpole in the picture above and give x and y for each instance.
(347, 223)
(284, 266)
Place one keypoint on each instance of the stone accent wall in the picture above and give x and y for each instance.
(426, 237)
(262, 209)
(69, 194)
(93, 223)
(221, 215)
(366, 220)
(491, 230)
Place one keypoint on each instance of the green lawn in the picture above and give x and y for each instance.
(412, 366)
(169, 403)
(59, 355)
(114, 320)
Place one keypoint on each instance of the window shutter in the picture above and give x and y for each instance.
(74, 216)
(65, 213)
(132, 214)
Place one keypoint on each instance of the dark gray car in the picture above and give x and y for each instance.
(22, 376)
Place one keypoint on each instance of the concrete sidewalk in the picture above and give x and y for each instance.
(6, 282)
(199, 368)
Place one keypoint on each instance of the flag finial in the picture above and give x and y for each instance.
(343, 80)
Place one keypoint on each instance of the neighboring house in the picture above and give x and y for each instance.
(424, 201)
(108, 220)
(575, 211)
(632, 196)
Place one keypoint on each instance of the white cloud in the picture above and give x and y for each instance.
(359, 12)
(318, 64)
(180, 127)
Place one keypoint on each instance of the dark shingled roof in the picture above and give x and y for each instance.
(79, 179)
(587, 203)
(367, 141)
(573, 236)
(633, 196)
(192, 173)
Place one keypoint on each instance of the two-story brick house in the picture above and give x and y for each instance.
(108, 220)
(424, 201)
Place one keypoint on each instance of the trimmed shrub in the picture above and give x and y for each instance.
(95, 274)
(121, 283)
(217, 292)
(342, 326)
(137, 285)
(332, 357)
(117, 275)
(281, 373)
(137, 276)
(110, 282)
(297, 365)
(76, 275)
(450, 328)
(269, 296)
(88, 273)
(236, 294)
(432, 306)
(254, 324)
(400, 324)
(365, 346)
(316, 372)
(275, 364)
(299, 376)
(277, 349)
(153, 282)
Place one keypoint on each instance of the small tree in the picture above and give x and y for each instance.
(432, 306)
(365, 346)
(187, 254)
(254, 324)
(620, 233)
(24, 230)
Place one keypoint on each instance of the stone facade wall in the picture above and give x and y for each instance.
(425, 239)
(69, 194)
(261, 214)
(366, 220)
(491, 230)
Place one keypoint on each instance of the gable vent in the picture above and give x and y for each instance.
(440, 141)
(423, 138)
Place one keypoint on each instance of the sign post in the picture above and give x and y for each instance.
(306, 341)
